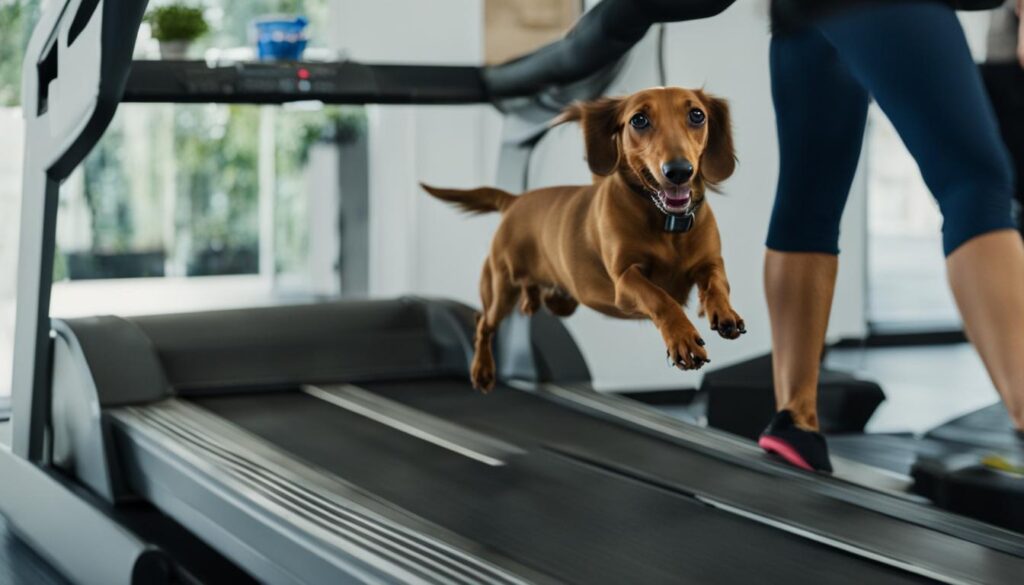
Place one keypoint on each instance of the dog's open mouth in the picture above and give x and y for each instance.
(673, 200)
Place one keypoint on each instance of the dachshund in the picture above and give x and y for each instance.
(632, 244)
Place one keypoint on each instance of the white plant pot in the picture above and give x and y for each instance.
(174, 50)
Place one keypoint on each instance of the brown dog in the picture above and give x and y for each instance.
(631, 245)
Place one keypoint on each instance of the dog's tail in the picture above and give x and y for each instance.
(479, 200)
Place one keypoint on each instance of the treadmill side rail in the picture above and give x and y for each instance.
(58, 523)
(280, 519)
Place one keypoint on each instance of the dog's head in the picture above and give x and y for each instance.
(668, 142)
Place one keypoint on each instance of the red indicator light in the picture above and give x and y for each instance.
(303, 73)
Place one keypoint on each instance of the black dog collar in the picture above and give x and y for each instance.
(680, 224)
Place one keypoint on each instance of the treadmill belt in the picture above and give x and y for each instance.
(529, 419)
(571, 520)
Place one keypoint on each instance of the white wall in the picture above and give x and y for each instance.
(421, 246)
(416, 245)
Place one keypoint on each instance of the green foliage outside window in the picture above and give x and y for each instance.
(297, 133)
(16, 20)
(177, 22)
(218, 178)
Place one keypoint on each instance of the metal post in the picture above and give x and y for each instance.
(31, 332)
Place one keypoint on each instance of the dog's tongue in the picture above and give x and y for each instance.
(677, 195)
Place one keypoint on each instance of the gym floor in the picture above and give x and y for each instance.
(925, 386)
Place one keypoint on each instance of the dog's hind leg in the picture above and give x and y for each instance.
(560, 302)
(498, 294)
(529, 299)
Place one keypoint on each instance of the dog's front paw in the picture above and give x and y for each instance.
(686, 348)
(481, 373)
(726, 322)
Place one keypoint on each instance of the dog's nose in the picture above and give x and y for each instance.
(678, 170)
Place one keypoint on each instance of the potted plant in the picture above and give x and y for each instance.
(176, 25)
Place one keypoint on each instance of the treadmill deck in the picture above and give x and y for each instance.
(587, 500)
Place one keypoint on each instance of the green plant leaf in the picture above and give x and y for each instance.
(177, 22)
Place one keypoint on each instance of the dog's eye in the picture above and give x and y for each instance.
(696, 117)
(639, 121)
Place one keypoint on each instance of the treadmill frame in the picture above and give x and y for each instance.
(75, 74)
(76, 44)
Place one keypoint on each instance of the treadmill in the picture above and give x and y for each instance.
(341, 441)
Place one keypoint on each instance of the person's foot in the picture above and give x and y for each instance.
(802, 448)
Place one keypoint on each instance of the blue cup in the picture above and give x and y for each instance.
(280, 38)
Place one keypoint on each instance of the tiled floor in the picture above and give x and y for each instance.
(924, 386)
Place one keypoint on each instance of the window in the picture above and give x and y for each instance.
(16, 20)
(907, 289)
(907, 286)
(183, 207)
(177, 190)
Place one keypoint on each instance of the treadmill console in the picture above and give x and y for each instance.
(343, 82)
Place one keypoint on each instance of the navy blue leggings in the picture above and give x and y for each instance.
(912, 58)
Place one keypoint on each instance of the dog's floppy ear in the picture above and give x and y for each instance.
(601, 127)
(719, 159)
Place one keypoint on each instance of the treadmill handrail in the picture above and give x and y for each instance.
(342, 82)
(600, 39)
(73, 77)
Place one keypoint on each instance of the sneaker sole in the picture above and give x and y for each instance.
(785, 450)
